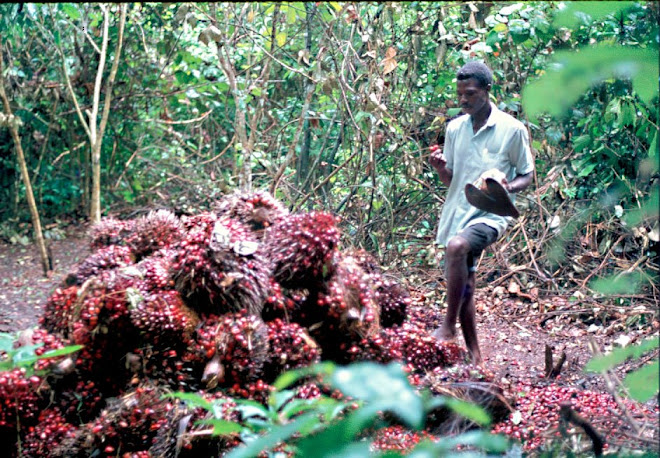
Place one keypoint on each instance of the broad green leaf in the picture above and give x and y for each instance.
(221, 427)
(277, 434)
(644, 383)
(61, 351)
(576, 71)
(25, 355)
(619, 355)
(291, 15)
(384, 386)
(336, 6)
(596, 10)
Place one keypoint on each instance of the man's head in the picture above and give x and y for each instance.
(473, 82)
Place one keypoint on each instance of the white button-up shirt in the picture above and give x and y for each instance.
(502, 143)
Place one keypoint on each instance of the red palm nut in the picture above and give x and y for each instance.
(301, 247)
(399, 439)
(110, 231)
(291, 347)
(219, 268)
(157, 230)
(258, 210)
(104, 259)
(536, 413)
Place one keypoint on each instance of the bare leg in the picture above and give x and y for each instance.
(468, 321)
(457, 278)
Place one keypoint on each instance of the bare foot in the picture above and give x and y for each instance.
(443, 335)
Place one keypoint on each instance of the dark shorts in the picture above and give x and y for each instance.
(479, 236)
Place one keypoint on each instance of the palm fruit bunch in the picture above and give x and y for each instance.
(51, 429)
(290, 347)
(110, 232)
(219, 267)
(344, 310)
(258, 210)
(392, 299)
(301, 247)
(102, 260)
(46, 342)
(283, 303)
(241, 347)
(154, 231)
(56, 317)
(22, 397)
(420, 349)
(128, 424)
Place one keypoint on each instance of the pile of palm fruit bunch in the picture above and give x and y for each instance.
(219, 304)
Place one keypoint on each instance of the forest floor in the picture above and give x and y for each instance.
(513, 329)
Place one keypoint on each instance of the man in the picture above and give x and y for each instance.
(483, 138)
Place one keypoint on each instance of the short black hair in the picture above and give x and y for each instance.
(478, 71)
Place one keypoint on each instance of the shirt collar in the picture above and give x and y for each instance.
(492, 117)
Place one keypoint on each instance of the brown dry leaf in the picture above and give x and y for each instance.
(389, 65)
(390, 53)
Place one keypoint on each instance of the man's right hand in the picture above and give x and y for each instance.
(437, 159)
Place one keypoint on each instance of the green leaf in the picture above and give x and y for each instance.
(567, 17)
(616, 284)
(576, 71)
(222, 427)
(644, 383)
(6, 341)
(386, 387)
(61, 351)
(193, 399)
(280, 38)
(291, 16)
(290, 377)
(468, 410)
(277, 434)
(336, 6)
(24, 356)
(71, 11)
(619, 355)
(482, 439)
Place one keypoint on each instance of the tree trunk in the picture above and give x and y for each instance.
(12, 124)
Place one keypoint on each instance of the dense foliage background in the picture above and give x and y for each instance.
(333, 105)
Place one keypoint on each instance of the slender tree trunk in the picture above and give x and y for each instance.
(46, 261)
(96, 137)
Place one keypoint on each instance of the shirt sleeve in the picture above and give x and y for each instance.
(520, 153)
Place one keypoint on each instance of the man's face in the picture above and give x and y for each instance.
(472, 98)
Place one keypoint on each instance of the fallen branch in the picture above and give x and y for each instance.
(569, 415)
